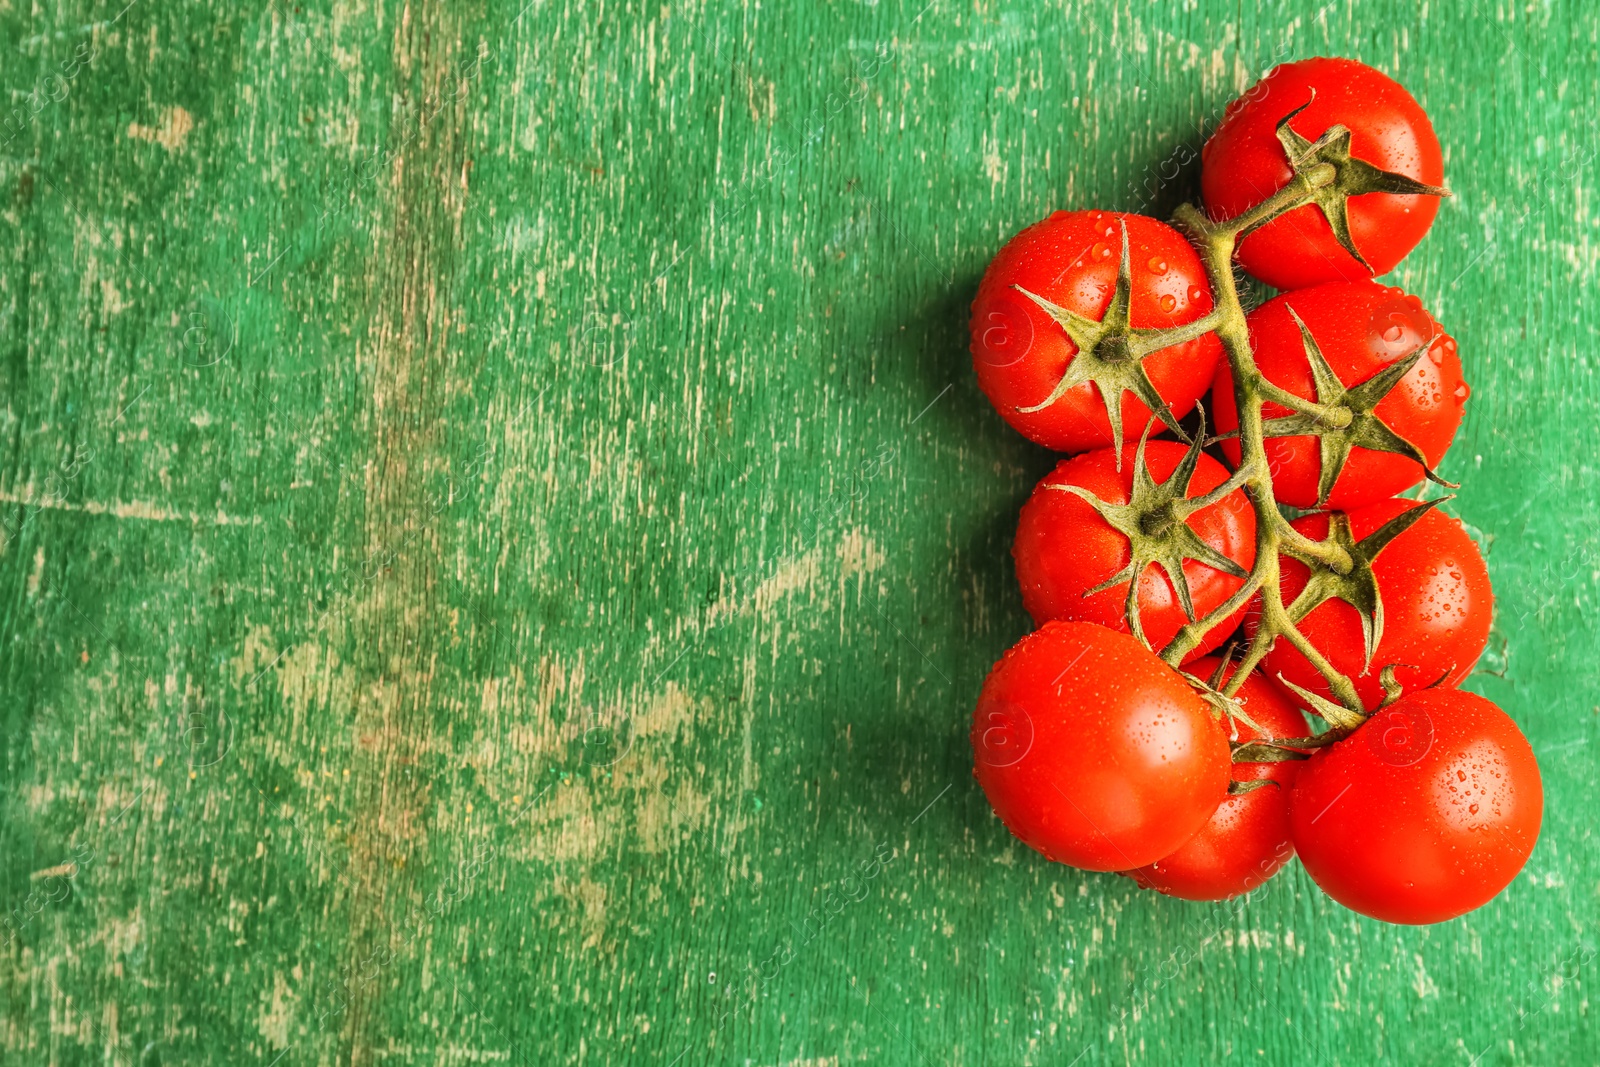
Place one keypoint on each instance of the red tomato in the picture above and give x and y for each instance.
(1064, 547)
(1427, 811)
(1246, 840)
(1093, 751)
(1437, 606)
(1244, 163)
(1361, 328)
(1071, 259)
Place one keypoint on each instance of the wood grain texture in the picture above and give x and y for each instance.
(501, 539)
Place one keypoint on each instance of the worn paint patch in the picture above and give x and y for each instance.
(136, 509)
(278, 1012)
(173, 132)
(854, 555)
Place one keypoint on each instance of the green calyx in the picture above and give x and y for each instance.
(1154, 522)
(1111, 352)
(1219, 703)
(1358, 586)
(1260, 750)
(1271, 751)
(1342, 719)
(1334, 176)
(1343, 418)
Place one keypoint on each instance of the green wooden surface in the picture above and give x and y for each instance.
(502, 538)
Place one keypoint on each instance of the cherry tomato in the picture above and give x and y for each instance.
(1244, 163)
(1093, 751)
(1437, 606)
(1071, 259)
(1360, 329)
(1246, 840)
(1065, 547)
(1427, 811)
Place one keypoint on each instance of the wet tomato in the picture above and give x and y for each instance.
(1426, 812)
(1437, 607)
(1093, 751)
(1363, 331)
(1246, 840)
(1065, 547)
(1244, 163)
(1071, 260)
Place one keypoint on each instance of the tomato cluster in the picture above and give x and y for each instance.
(1114, 737)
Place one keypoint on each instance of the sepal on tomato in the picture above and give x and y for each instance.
(1153, 521)
(1357, 587)
(1111, 352)
(1342, 719)
(1221, 704)
(1265, 752)
(1351, 176)
(1341, 418)
(1362, 428)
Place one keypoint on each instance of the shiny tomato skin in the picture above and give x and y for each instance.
(1426, 812)
(1360, 328)
(1244, 163)
(1437, 607)
(1094, 752)
(1071, 259)
(1065, 548)
(1246, 840)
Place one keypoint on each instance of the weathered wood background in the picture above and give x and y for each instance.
(501, 537)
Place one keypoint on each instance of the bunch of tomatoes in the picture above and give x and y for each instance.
(1205, 574)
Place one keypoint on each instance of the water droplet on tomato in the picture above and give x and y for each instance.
(1463, 390)
(1101, 251)
(1436, 355)
(1109, 231)
(1168, 302)
(1450, 345)
(1473, 809)
(1393, 332)
(1197, 295)
(1157, 265)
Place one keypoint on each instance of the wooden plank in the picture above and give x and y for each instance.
(501, 539)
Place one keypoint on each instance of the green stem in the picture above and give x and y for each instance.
(1260, 644)
(1216, 243)
(1326, 552)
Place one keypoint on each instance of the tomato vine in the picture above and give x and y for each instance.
(1346, 565)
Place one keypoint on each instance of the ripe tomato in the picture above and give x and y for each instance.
(1437, 606)
(1361, 330)
(1244, 163)
(1065, 547)
(1427, 811)
(1246, 840)
(1071, 259)
(1093, 751)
